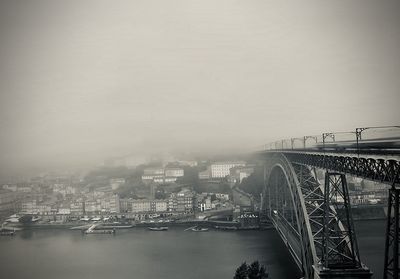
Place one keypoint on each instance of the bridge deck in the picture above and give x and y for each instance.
(376, 167)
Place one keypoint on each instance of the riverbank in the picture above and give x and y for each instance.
(81, 225)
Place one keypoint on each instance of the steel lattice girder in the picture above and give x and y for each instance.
(391, 264)
(380, 170)
(340, 239)
(308, 257)
(308, 202)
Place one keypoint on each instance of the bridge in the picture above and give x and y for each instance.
(312, 212)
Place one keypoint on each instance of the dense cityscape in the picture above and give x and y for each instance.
(175, 190)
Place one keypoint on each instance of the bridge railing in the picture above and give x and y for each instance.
(382, 137)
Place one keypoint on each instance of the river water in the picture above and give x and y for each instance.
(139, 253)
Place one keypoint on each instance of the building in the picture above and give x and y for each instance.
(205, 174)
(116, 182)
(172, 203)
(158, 206)
(8, 201)
(190, 163)
(154, 171)
(161, 205)
(164, 179)
(110, 204)
(174, 172)
(185, 201)
(92, 206)
(205, 204)
(141, 206)
(237, 174)
(125, 205)
(222, 169)
(64, 211)
(31, 207)
(161, 175)
(77, 208)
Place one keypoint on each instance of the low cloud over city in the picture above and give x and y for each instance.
(81, 81)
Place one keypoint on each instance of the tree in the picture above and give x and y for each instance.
(252, 271)
(254, 184)
(255, 271)
(241, 271)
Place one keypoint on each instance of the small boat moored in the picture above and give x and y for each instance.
(7, 233)
(158, 228)
(199, 229)
(92, 230)
(100, 232)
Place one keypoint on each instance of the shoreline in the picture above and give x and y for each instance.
(69, 226)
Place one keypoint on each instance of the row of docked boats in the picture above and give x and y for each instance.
(194, 229)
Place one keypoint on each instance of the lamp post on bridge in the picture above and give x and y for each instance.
(324, 137)
(360, 130)
(305, 138)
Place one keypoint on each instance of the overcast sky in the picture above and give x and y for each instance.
(83, 80)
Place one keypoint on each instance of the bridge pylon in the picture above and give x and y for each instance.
(340, 255)
(391, 264)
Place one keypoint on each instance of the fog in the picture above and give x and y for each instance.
(81, 81)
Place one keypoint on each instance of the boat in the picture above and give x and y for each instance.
(100, 232)
(115, 226)
(199, 229)
(7, 233)
(158, 228)
(92, 230)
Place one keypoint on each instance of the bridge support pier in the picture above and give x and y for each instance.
(340, 255)
(391, 265)
(321, 272)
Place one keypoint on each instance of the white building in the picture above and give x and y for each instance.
(222, 169)
(154, 171)
(64, 211)
(189, 163)
(141, 206)
(164, 179)
(31, 207)
(110, 204)
(160, 205)
(174, 172)
(92, 206)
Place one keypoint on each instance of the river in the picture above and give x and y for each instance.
(139, 253)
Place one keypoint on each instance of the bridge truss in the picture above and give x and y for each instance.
(320, 216)
(315, 220)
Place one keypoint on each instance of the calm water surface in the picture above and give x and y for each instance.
(139, 253)
(173, 254)
(371, 242)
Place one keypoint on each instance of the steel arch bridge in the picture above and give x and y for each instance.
(314, 218)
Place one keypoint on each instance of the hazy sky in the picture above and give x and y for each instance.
(82, 80)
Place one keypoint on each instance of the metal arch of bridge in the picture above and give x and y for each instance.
(379, 170)
(273, 203)
(329, 248)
